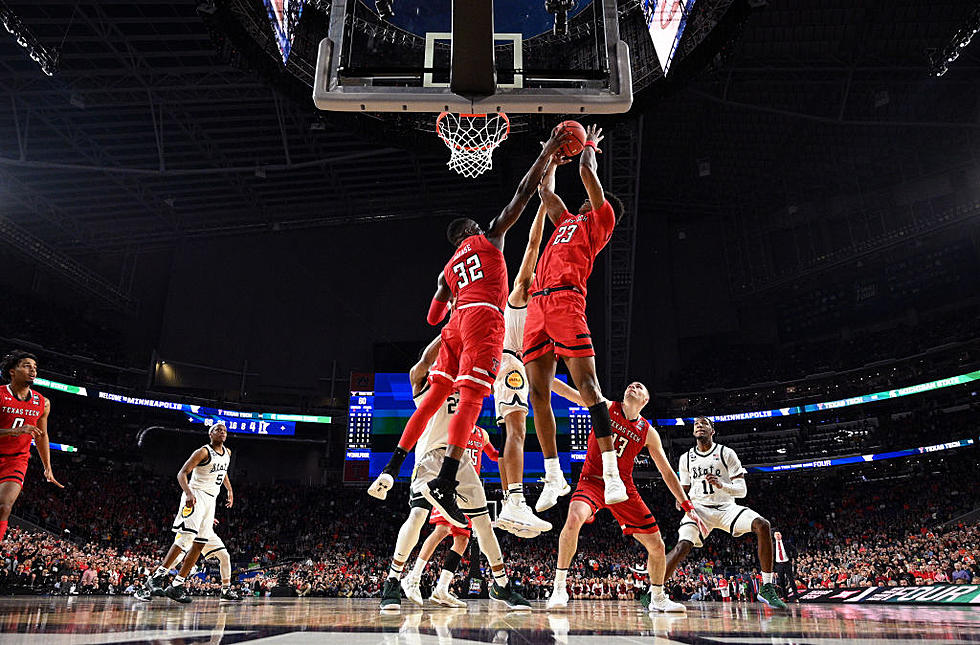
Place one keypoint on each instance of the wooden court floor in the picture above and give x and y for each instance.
(96, 620)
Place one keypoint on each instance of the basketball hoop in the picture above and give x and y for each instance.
(471, 139)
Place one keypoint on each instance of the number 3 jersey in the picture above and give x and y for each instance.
(567, 260)
(210, 473)
(629, 436)
(477, 274)
(695, 466)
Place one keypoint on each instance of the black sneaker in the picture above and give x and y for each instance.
(509, 597)
(441, 493)
(229, 595)
(391, 595)
(156, 585)
(177, 593)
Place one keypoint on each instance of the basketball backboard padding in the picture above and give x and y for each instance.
(338, 88)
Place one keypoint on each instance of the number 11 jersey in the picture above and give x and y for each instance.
(477, 274)
(695, 466)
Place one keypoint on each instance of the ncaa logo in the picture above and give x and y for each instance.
(187, 511)
(515, 380)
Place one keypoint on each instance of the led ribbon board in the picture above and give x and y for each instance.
(857, 459)
(833, 405)
(246, 426)
(666, 20)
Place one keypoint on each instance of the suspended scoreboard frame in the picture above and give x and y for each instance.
(334, 91)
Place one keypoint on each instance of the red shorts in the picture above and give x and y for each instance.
(472, 345)
(13, 468)
(556, 323)
(435, 517)
(633, 515)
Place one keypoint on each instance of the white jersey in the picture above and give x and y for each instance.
(436, 433)
(695, 466)
(514, 318)
(210, 473)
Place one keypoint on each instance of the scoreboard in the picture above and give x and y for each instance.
(381, 404)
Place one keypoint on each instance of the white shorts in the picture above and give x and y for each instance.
(199, 520)
(471, 497)
(730, 518)
(510, 390)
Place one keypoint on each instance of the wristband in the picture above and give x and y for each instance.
(437, 311)
(591, 144)
(687, 506)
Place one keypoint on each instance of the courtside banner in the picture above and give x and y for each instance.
(932, 595)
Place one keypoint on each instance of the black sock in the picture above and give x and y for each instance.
(451, 563)
(449, 468)
(395, 463)
(601, 423)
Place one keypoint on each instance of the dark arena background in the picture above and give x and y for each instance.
(226, 215)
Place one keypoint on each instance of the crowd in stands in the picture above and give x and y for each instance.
(873, 525)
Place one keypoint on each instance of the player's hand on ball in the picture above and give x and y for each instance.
(34, 431)
(49, 476)
(554, 142)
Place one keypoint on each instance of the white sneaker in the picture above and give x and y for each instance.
(379, 489)
(661, 603)
(558, 599)
(446, 598)
(516, 515)
(554, 487)
(526, 534)
(410, 585)
(615, 489)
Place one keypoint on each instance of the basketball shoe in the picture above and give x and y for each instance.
(554, 487)
(380, 487)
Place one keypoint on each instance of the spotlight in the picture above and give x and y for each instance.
(560, 8)
(385, 8)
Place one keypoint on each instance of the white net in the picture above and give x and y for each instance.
(471, 139)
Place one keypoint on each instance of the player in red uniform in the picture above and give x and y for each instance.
(23, 417)
(630, 434)
(472, 341)
(556, 323)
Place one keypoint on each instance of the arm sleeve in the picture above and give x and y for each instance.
(685, 475)
(734, 464)
(737, 487)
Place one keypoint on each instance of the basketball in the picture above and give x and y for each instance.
(576, 140)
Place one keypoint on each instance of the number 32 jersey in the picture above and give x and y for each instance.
(477, 274)
(695, 467)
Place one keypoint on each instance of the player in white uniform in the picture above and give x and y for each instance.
(713, 477)
(194, 525)
(430, 450)
(510, 391)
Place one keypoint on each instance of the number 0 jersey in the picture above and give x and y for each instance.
(567, 260)
(477, 273)
(629, 436)
(695, 466)
(208, 476)
(15, 413)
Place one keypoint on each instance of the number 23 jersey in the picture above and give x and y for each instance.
(477, 274)
(568, 258)
(695, 466)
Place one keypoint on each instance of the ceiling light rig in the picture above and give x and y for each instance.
(46, 58)
(943, 57)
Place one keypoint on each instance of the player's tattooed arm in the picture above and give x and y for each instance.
(587, 166)
(513, 210)
(192, 462)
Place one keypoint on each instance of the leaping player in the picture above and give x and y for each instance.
(194, 525)
(630, 434)
(23, 417)
(557, 325)
(472, 341)
(713, 476)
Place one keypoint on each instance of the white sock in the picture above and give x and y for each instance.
(561, 575)
(419, 568)
(767, 578)
(656, 591)
(500, 577)
(445, 578)
(178, 580)
(610, 464)
(552, 468)
(516, 493)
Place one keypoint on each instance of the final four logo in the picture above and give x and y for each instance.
(515, 380)
(187, 511)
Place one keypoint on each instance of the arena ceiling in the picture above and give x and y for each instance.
(152, 130)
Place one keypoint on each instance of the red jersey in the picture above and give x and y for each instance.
(477, 273)
(629, 438)
(477, 445)
(15, 413)
(567, 260)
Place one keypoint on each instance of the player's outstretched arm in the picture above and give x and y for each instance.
(513, 210)
(566, 391)
(522, 283)
(440, 301)
(546, 191)
(43, 445)
(656, 449)
(488, 448)
(587, 166)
